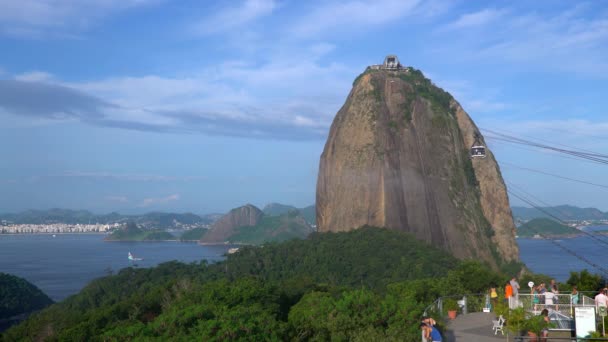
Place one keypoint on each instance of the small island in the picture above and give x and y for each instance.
(544, 227)
(131, 232)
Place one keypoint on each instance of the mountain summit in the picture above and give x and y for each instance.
(398, 156)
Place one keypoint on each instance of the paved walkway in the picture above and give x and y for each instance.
(474, 327)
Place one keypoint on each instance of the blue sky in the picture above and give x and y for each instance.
(140, 105)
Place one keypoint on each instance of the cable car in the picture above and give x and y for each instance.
(478, 150)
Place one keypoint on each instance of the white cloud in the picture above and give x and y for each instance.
(282, 98)
(235, 17)
(147, 202)
(575, 40)
(340, 16)
(474, 19)
(34, 76)
(41, 18)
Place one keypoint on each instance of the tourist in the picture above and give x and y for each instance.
(430, 333)
(541, 291)
(515, 286)
(545, 332)
(429, 321)
(549, 299)
(493, 297)
(601, 299)
(535, 296)
(553, 286)
(508, 294)
(574, 296)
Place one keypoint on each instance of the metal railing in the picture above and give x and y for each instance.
(561, 303)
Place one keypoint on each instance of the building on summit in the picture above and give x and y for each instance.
(391, 62)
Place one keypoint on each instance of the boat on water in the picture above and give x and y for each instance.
(133, 258)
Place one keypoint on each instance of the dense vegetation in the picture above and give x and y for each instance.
(273, 229)
(364, 285)
(276, 209)
(18, 296)
(131, 232)
(545, 227)
(193, 234)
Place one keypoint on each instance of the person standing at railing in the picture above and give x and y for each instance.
(509, 294)
(515, 286)
(549, 298)
(601, 299)
(574, 296)
(535, 296)
(553, 286)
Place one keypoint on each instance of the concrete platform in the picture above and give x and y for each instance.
(474, 327)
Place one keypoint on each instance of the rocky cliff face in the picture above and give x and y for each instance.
(222, 229)
(397, 156)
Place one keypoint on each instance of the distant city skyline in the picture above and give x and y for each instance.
(136, 106)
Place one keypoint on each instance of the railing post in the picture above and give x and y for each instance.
(464, 306)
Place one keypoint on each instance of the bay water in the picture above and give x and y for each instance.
(62, 265)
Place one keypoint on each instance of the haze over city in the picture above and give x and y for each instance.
(135, 106)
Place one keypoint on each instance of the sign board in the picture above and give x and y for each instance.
(602, 311)
(584, 320)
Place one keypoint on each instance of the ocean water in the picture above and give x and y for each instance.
(62, 265)
(545, 256)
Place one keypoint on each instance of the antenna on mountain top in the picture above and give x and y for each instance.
(478, 150)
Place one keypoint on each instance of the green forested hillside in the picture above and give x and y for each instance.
(194, 234)
(273, 229)
(544, 226)
(131, 232)
(18, 296)
(366, 285)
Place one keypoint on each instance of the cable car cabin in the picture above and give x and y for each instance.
(478, 151)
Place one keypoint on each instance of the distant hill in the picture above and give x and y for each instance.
(131, 232)
(67, 216)
(194, 234)
(250, 225)
(274, 229)
(275, 209)
(544, 226)
(563, 212)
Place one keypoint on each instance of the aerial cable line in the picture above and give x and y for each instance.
(589, 156)
(595, 236)
(573, 149)
(537, 207)
(544, 140)
(543, 151)
(598, 157)
(554, 175)
(565, 249)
